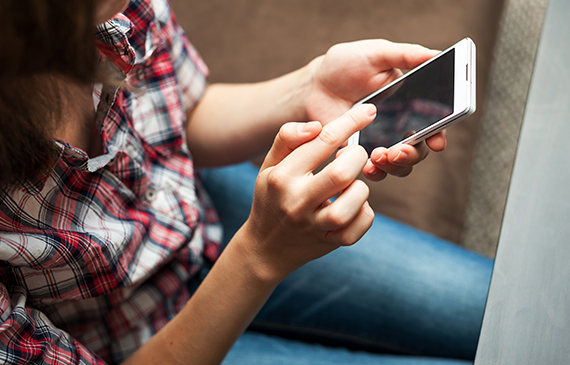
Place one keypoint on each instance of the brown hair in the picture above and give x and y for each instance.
(41, 41)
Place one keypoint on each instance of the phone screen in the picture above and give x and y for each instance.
(418, 100)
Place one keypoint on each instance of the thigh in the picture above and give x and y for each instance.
(398, 289)
(259, 349)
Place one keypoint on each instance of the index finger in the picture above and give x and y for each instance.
(310, 155)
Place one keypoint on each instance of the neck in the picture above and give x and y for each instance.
(77, 126)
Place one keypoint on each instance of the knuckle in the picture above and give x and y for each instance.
(338, 175)
(396, 72)
(336, 48)
(283, 130)
(276, 180)
(287, 205)
(354, 116)
(285, 133)
(359, 117)
(408, 57)
(418, 47)
(368, 217)
(363, 187)
(337, 217)
(329, 137)
(348, 238)
(361, 154)
(292, 211)
(278, 141)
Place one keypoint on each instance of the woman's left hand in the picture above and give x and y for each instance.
(350, 71)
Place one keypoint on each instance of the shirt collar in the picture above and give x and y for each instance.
(111, 38)
(73, 156)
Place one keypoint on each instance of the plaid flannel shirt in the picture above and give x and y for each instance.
(103, 252)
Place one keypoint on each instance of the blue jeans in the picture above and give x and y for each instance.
(397, 291)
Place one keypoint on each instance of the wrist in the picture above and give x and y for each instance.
(297, 93)
(307, 84)
(246, 249)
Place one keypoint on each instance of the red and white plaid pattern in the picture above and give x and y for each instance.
(96, 258)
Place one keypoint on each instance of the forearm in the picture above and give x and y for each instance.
(233, 123)
(292, 222)
(216, 315)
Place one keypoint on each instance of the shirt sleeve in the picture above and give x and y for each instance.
(191, 71)
(27, 336)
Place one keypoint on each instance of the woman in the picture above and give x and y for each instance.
(110, 245)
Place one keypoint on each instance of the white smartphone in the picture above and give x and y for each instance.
(424, 101)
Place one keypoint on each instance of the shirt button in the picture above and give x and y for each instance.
(131, 151)
(150, 195)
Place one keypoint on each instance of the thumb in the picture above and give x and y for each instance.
(290, 136)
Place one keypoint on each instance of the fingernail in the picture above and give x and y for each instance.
(401, 157)
(369, 109)
(307, 127)
(383, 160)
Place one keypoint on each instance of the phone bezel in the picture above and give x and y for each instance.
(464, 91)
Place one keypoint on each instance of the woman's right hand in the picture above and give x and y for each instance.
(293, 219)
(292, 222)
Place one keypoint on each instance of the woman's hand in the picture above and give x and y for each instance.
(350, 71)
(293, 219)
(400, 159)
